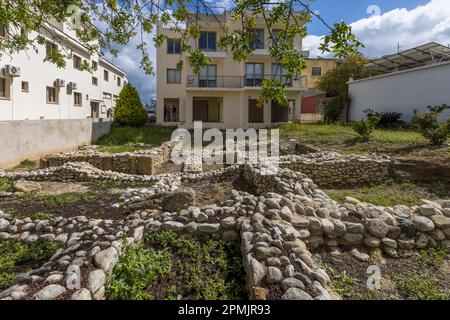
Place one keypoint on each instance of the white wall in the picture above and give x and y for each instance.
(32, 105)
(20, 140)
(402, 92)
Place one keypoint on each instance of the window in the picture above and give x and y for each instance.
(207, 109)
(258, 42)
(276, 37)
(107, 95)
(94, 81)
(94, 66)
(173, 76)
(171, 110)
(279, 113)
(77, 99)
(119, 81)
(254, 74)
(3, 31)
(105, 75)
(52, 95)
(316, 71)
(50, 48)
(280, 73)
(115, 97)
(77, 62)
(207, 41)
(208, 77)
(173, 46)
(4, 88)
(25, 86)
(255, 113)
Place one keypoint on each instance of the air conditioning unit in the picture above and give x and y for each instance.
(73, 86)
(60, 83)
(12, 71)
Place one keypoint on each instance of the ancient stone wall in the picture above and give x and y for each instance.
(145, 162)
(330, 168)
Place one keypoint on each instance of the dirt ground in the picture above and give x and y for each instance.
(66, 200)
(412, 278)
(209, 193)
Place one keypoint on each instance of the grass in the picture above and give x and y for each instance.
(5, 185)
(433, 256)
(105, 185)
(26, 165)
(392, 193)
(17, 256)
(121, 139)
(343, 138)
(420, 287)
(342, 284)
(173, 268)
(60, 199)
(14, 213)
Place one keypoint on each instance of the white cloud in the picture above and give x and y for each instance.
(381, 34)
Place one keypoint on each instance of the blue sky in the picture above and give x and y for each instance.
(407, 23)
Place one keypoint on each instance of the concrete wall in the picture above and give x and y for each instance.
(402, 92)
(20, 140)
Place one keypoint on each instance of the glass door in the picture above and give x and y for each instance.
(254, 74)
(208, 77)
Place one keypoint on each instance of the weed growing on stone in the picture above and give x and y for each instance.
(5, 185)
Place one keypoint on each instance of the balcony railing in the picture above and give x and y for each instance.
(236, 82)
(214, 82)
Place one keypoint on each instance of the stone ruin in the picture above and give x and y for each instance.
(279, 226)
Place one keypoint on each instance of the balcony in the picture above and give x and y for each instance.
(231, 82)
(240, 82)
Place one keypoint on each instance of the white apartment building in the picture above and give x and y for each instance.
(31, 89)
(225, 92)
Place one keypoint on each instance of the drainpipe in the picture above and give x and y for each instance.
(11, 94)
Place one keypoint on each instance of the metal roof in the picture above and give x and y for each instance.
(430, 53)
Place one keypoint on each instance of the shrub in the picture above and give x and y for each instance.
(5, 185)
(365, 127)
(427, 123)
(387, 119)
(332, 110)
(129, 109)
